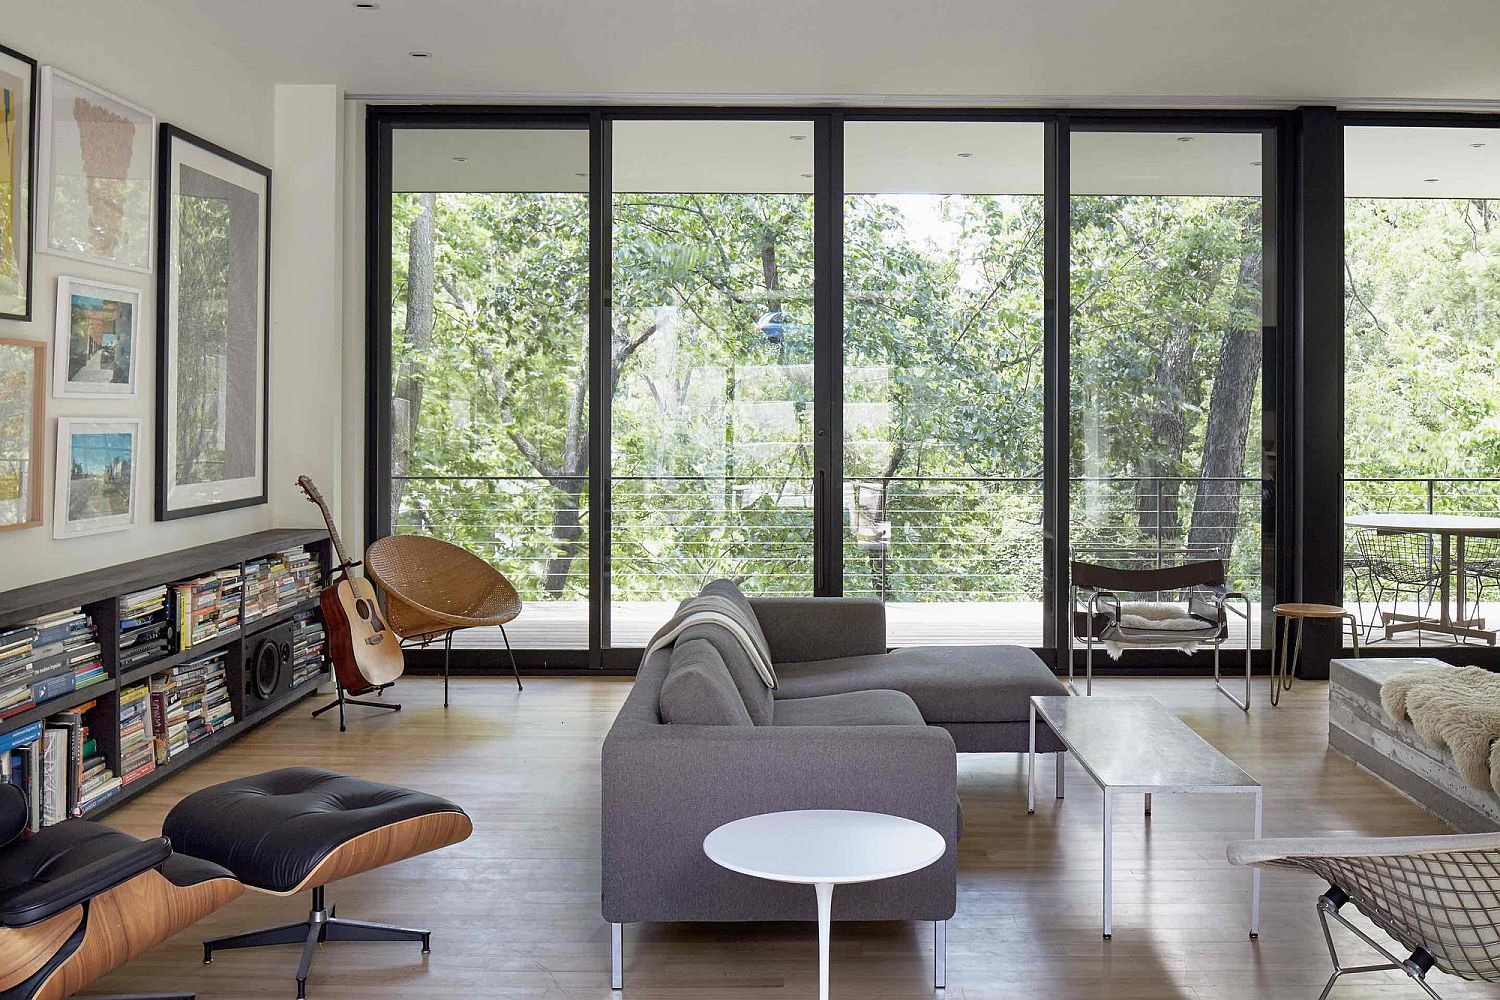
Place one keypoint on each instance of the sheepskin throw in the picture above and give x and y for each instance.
(1453, 707)
(1151, 623)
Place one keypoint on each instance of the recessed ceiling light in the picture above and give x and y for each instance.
(964, 156)
(1184, 138)
(797, 138)
(1429, 180)
(420, 55)
(582, 173)
(1255, 163)
(1478, 145)
(366, 5)
(460, 159)
(807, 175)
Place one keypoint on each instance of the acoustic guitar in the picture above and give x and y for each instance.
(366, 653)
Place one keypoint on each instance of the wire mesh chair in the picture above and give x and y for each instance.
(1482, 565)
(1098, 613)
(1438, 897)
(1397, 563)
(435, 588)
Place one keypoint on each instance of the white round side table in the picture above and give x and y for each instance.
(824, 848)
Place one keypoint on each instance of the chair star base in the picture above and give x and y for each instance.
(1416, 966)
(320, 926)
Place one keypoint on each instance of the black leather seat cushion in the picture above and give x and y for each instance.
(271, 830)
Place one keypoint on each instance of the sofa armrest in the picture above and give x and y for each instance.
(665, 788)
(47, 899)
(800, 629)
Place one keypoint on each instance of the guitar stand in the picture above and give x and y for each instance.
(343, 700)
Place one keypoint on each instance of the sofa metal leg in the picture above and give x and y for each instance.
(617, 956)
(1062, 759)
(940, 955)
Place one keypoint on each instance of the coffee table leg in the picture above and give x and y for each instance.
(825, 922)
(1109, 815)
(1255, 878)
(1031, 767)
(1061, 760)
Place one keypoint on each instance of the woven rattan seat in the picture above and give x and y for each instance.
(434, 588)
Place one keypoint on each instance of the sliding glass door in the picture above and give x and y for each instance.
(488, 366)
(943, 249)
(1168, 277)
(711, 361)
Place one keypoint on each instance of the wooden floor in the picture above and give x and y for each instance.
(515, 910)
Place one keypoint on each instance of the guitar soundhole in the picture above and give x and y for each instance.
(363, 607)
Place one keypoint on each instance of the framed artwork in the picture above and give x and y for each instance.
(23, 365)
(213, 282)
(96, 339)
(96, 173)
(17, 169)
(96, 471)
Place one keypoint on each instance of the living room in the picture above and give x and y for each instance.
(519, 500)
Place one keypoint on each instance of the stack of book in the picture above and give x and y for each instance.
(47, 658)
(145, 627)
(168, 715)
(20, 765)
(96, 782)
(308, 643)
(137, 737)
(279, 581)
(192, 702)
(207, 607)
(66, 747)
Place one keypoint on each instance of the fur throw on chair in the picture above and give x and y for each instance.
(1453, 707)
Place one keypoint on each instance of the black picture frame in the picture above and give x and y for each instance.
(29, 254)
(171, 138)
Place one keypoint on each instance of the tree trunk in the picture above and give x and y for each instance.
(1216, 508)
(406, 388)
(567, 535)
(1158, 498)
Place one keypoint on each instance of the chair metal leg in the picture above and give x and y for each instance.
(1061, 760)
(512, 653)
(617, 956)
(285, 934)
(1088, 664)
(940, 955)
(338, 929)
(314, 938)
(447, 655)
(1415, 967)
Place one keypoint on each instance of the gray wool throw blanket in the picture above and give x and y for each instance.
(1453, 707)
(709, 609)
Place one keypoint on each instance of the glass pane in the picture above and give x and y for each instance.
(489, 356)
(713, 353)
(1421, 425)
(1166, 351)
(943, 334)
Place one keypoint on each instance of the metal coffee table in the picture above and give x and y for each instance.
(1134, 745)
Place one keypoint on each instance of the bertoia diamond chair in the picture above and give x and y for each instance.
(1439, 897)
(435, 588)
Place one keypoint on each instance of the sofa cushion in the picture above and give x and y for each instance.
(754, 695)
(948, 683)
(854, 708)
(698, 690)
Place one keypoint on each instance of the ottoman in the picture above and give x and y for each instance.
(300, 828)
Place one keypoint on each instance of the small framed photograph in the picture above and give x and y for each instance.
(23, 366)
(96, 175)
(94, 352)
(18, 76)
(96, 474)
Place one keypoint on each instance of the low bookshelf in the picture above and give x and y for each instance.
(178, 655)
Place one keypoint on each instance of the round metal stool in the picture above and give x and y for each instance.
(1284, 666)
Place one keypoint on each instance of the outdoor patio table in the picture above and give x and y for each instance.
(1447, 527)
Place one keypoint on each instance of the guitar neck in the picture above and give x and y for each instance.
(316, 497)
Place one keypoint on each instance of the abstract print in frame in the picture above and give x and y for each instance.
(18, 76)
(23, 395)
(97, 460)
(213, 281)
(97, 167)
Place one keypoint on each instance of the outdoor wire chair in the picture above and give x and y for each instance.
(1438, 897)
(1098, 613)
(434, 588)
(1398, 562)
(1482, 565)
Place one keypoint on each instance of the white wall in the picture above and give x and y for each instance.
(143, 54)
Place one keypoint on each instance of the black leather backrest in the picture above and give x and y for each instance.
(13, 812)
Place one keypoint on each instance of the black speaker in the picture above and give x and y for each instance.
(268, 667)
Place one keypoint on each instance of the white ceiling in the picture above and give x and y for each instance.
(1145, 52)
(924, 157)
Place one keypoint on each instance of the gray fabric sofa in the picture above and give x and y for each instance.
(850, 726)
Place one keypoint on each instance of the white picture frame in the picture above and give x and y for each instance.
(88, 501)
(81, 356)
(84, 213)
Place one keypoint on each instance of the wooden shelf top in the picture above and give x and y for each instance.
(25, 603)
